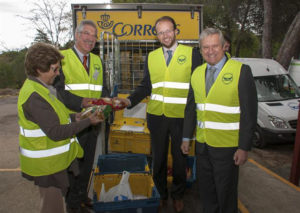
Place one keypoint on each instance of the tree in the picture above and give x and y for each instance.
(243, 24)
(12, 73)
(267, 30)
(41, 37)
(52, 20)
(290, 44)
(241, 20)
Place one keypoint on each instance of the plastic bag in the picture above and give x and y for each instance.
(122, 191)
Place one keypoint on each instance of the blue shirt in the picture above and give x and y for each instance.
(218, 67)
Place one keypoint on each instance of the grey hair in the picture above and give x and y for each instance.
(211, 31)
(79, 28)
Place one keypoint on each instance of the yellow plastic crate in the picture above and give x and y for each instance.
(140, 183)
(134, 140)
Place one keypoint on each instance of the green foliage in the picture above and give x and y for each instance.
(283, 14)
(250, 46)
(41, 37)
(12, 73)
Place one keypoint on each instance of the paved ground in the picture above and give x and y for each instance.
(259, 190)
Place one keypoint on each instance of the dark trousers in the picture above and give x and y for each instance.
(51, 200)
(161, 129)
(78, 184)
(218, 178)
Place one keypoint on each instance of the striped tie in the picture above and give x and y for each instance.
(169, 56)
(85, 63)
(210, 78)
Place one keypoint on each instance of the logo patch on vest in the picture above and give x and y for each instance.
(181, 59)
(227, 78)
(97, 67)
(97, 71)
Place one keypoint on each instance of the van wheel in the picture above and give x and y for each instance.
(259, 140)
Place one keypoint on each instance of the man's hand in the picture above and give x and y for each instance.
(122, 101)
(240, 157)
(87, 102)
(185, 147)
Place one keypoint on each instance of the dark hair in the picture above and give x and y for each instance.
(166, 18)
(41, 56)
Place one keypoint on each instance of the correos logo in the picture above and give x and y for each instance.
(121, 29)
(105, 23)
(293, 105)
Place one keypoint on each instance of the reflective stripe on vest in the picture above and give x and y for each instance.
(35, 133)
(169, 100)
(218, 108)
(48, 152)
(167, 84)
(218, 125)
(91, 87)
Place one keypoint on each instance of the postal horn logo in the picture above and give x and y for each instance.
(105, 23)
(227, 78)
(97, 67)
(181, 59)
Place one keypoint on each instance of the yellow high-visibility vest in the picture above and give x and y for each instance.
(170, 84)
(77, 80)
(39, 155)
(218, 113)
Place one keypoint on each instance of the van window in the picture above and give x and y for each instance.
(276, 88)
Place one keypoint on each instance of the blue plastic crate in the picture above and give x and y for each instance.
(191, 164)
(117, 163)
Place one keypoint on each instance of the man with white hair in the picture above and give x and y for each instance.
(222, 105)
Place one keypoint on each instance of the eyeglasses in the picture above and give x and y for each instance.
(55, 68)
(85, 33)
(167, 32)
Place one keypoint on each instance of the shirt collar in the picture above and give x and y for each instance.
(219, 65)
(173, 48)
(80, 54)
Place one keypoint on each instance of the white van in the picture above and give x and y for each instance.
(294, 70)
(278, 101)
